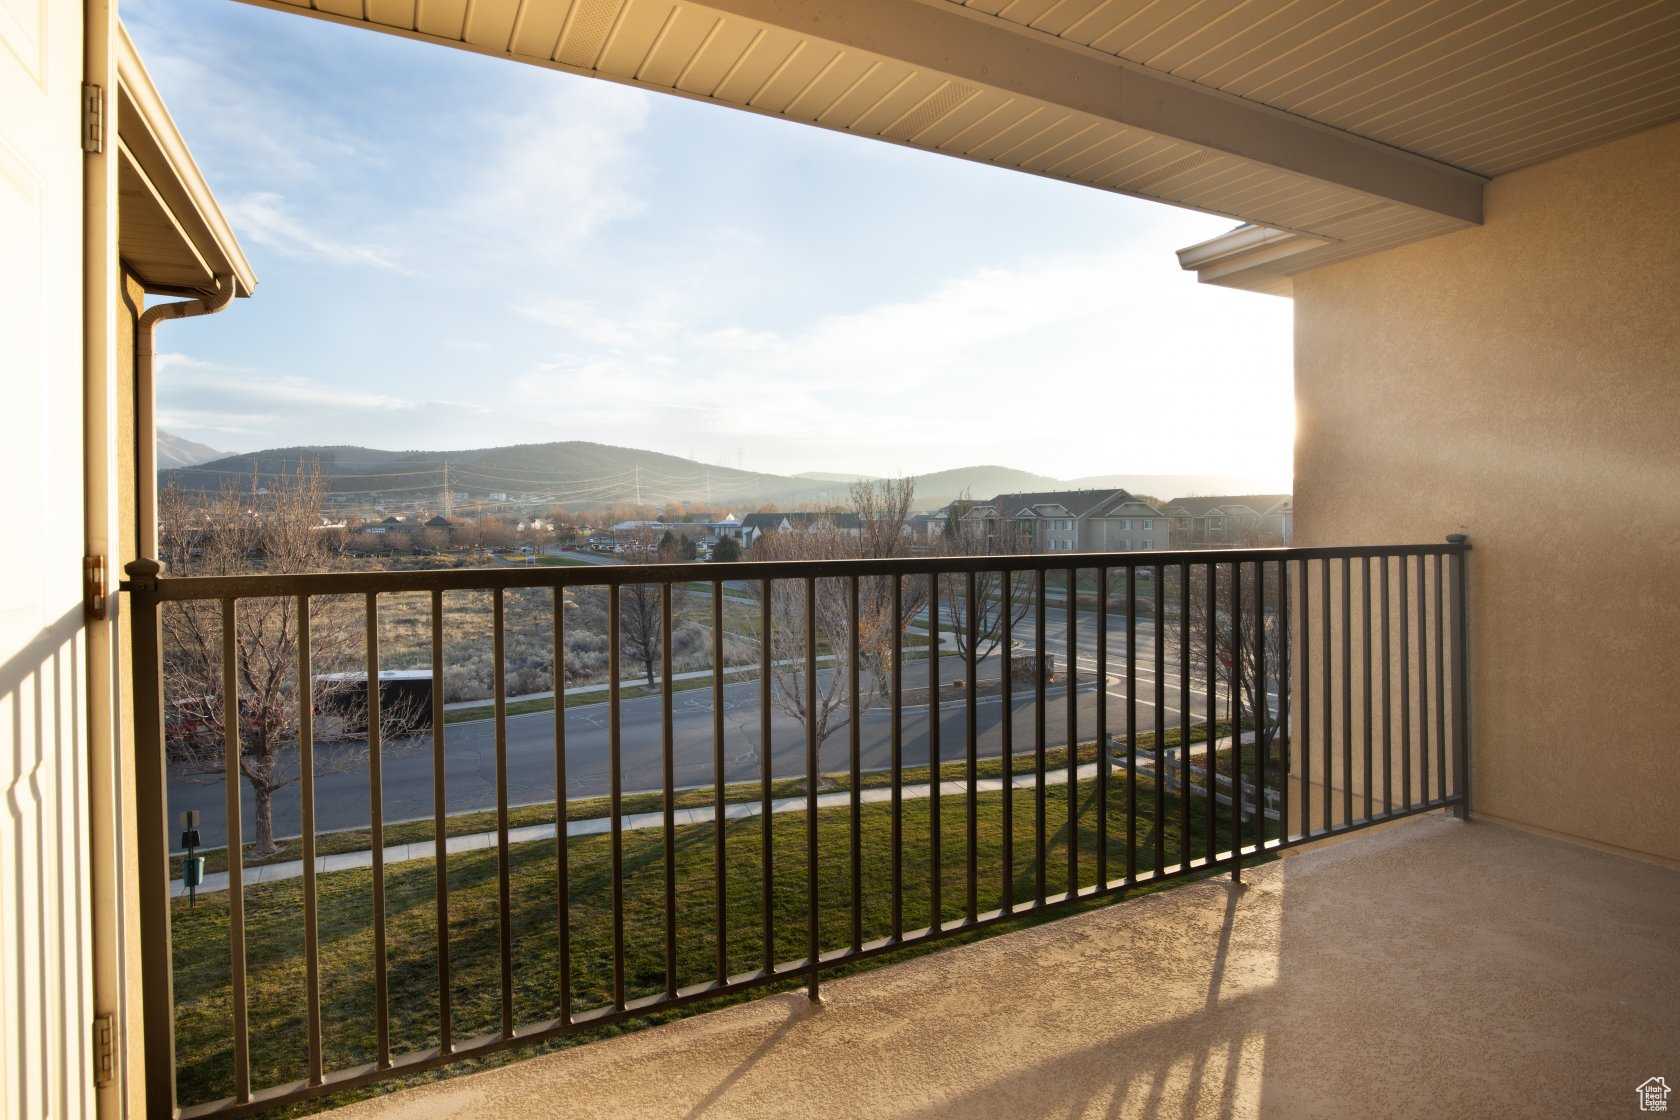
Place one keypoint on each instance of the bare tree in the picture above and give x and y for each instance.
(640, 615)
(273, 528)
(977, 635)
(874, 528)
(1234, 617)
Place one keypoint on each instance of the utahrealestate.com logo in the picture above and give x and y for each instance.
(1653, 1095)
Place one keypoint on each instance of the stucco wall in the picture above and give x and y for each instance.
(1520, 382)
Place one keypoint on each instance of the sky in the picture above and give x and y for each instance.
(456, 252)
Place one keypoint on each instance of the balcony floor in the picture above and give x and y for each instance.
(1432, 968)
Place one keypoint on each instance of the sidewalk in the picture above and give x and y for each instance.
(597, 826)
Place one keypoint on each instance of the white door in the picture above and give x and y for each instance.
(45, 955)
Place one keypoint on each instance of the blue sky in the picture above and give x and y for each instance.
(456, 252)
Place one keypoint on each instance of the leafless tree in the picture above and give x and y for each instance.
(976, 636)
(276, 529)
(880, 511)
(1239, 625)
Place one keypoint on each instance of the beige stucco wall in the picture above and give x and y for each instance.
(1520, 382)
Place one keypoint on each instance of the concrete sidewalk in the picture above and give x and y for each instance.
(597, 826)
(217, 882)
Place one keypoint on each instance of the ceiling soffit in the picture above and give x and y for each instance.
(1347, 125)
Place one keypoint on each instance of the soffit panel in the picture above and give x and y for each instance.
(1486, 85)
(717, 55)
(1483, 85)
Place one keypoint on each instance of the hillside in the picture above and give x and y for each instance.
(575, 472)
(173, 451)
(580, 473)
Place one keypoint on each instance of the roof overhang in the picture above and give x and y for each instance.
(170, 233)
(1340, 127)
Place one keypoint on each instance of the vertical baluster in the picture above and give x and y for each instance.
(562, 813)
(306, 826)
(1131, 724)
(1039, 736)
(440, 834)
(1160, 725)
(1347, 691)
(1326, 681)
(1387, 689)
(1211, 641)
(1404, 609)
(667, 755)
(1440, 685)
(855, 756)
(936, 861)
(1286, 687)
(231, 718)
(615, 790)
(1423, 683)
(766, 667)
(1365, 663)
(376, 810)
(1185, 844)
(897, 757)
(1070, 597)
(1104, 759)
(504, 886)
(813, 904)
(1006, 588)
(1304, 667)
(971, 680)
(1236, 654)
(720, 807)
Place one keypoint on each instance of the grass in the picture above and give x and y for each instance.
(274, 927)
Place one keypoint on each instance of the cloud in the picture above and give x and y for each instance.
(201, 397)
(552, 162)
(1086, 358)
(268, 219)
(587, 322)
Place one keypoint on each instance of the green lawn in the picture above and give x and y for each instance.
(275, 928)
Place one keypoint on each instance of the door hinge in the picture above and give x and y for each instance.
(95, 589)
(104, 1050)
(93, 118)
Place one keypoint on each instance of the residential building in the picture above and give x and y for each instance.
(1473, 212)
(755, 525)
(1246, 519)
(1065, 521)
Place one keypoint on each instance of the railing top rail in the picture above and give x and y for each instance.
(510, 578)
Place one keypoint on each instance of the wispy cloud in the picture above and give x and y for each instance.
(267, 219)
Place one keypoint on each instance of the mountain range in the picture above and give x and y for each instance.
(581, 474)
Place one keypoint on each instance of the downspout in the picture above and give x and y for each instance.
(145, 405)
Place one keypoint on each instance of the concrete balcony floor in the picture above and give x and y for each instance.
(1429, 969)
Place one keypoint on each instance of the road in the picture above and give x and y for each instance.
(343, 799)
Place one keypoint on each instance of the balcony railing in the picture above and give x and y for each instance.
(850, 783)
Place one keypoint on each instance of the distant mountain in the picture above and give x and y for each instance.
(173, 451)
(574, 472)
(943, 487)
(824, 476)
(592, 474)
(1169, 486)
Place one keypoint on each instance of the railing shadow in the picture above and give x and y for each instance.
(42, 835)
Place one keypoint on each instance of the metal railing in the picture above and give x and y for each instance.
(1210, 707)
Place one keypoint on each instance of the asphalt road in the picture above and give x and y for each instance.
(343, 799)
